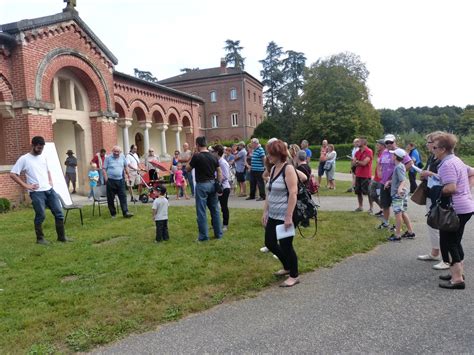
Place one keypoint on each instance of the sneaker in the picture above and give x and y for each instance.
(393, 228)
(394, 238)
(276, 257)
(379, 214)
(260, 199)
(90, 198)
(370, 212)
(358, 209)
(224, 228)
(441, 266)
(128, 215)
(264, 250)
(382, 226)
(429, 257)
(408, 235)
(114, 216)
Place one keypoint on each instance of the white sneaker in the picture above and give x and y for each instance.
(276, 257)
(441, 266)
(224, 228)
(264, 250)
(429, 257)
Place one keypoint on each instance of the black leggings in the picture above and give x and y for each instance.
(224, 200)
(282, 248)
(450, 242)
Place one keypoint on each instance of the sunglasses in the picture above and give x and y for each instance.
(388, 142)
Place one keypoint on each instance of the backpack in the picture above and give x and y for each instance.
(305, 209)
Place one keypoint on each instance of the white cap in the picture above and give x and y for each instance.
(399, 152)
(390, 137)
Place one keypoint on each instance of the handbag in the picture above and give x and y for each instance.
(420, 194)
(218, 187)
(444, 219)
(328, 165)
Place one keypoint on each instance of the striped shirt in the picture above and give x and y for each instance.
(277, 196)
(452, 170)
(257, 159)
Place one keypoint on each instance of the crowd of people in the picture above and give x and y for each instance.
(213, 173)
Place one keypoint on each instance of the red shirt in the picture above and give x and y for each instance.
(366, 170)
(376, 176)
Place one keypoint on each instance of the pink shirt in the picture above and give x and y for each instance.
(452, 170)
(178, 178)
(387, 165)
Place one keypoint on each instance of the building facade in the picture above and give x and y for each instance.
(233, 100)
(57, 80)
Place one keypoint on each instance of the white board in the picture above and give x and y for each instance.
(54, 166)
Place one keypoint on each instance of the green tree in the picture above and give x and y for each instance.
(272, 79)
(267, 129)
(466, 125)
(336, 102)
(233, 55)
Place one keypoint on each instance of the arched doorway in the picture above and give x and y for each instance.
(140, 144)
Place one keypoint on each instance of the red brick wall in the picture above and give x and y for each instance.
(10, 189)
(104, 134)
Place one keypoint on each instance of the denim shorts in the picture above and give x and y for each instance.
(399, 204)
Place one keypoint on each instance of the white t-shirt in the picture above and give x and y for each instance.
(36, 170)
(132, 160)
(161, 204)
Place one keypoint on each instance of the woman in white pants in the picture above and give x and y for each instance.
(431, 175)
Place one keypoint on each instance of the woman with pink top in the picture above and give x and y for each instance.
(454, 175)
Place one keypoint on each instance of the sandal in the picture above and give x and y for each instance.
(282, 272)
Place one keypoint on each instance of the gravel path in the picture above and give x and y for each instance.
(382, 301)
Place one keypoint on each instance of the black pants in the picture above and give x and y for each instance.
(256, 178)
(412, 178)
(162, 230)
(223, 201)
(116, 187)
(450, 242)
(282, 248)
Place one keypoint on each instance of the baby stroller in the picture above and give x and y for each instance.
(151, 185)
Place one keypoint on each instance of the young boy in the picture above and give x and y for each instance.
(160, 214)
(93, 179)
(399, 192)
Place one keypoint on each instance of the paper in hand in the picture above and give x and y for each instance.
(283, 232)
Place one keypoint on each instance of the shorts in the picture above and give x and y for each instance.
(134, 179)
(399, 204)
(321, 168)
(240, 176)
(385, 198)
(362, 186)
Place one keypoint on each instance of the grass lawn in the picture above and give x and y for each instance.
(113, 280)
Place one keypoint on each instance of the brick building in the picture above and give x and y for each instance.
(57, 79)
(233, 100)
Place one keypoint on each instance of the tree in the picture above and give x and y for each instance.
(335, 101)
(466, 125)
(272, 78)
(187, 70)
(233, 55)
(267, 129)
(145, 75)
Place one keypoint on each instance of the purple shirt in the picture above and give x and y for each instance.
(387, 165)
(452, 170)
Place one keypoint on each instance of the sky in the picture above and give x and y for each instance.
(418, 52)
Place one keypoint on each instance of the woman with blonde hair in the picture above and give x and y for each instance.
(330, 166)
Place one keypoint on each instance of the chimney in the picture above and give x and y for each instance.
(223, 66)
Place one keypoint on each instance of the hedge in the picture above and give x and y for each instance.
(4, 205)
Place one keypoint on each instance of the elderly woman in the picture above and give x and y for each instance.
(278, 210)
(454, 175)
(331, 157)
(433, 183)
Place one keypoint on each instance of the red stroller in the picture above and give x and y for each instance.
(151, 185)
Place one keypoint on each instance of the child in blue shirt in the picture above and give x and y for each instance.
(93, 179)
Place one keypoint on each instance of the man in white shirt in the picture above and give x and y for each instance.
(40, 187)
(133, 162)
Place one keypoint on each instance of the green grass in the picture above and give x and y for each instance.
(469, 160)
(113, 280)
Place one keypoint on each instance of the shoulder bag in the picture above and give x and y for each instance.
(444, 219)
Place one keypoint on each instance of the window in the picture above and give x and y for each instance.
(260, 99)
(248, 94)
(255, 122)
(213, 96)
(233, 120)
(250, 119)
(233, 94)
(214, 121)
(254, 97)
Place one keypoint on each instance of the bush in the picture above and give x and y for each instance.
(4, 205)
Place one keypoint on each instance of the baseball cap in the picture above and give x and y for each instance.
(399, 152)
(381, 141)
(389, 137)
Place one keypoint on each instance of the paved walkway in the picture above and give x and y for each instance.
(381, 301)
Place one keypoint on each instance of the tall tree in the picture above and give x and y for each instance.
(336, 101)
(233, 55)
(272, 78)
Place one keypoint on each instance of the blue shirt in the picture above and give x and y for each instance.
(93, 178)
(415, 156)
(115, 166)
(257, 159)
(308, 153)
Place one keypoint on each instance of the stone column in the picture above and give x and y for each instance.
(146, 136)
(177, 129)
(56, 92)
(188, 131)
(124, 123)
(163, 128)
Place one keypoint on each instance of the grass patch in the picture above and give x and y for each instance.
(113, 280)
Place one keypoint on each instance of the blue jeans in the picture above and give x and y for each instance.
(206, 196)
(42, 199)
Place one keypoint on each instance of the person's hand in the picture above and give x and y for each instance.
(401, 193)
(387, 185)
(425, 174)
(32, 187)
(265, 218)
(288, 221)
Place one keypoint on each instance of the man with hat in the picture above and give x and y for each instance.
(387, 166)
(71, 163)
(240, 169)
(39, 184)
